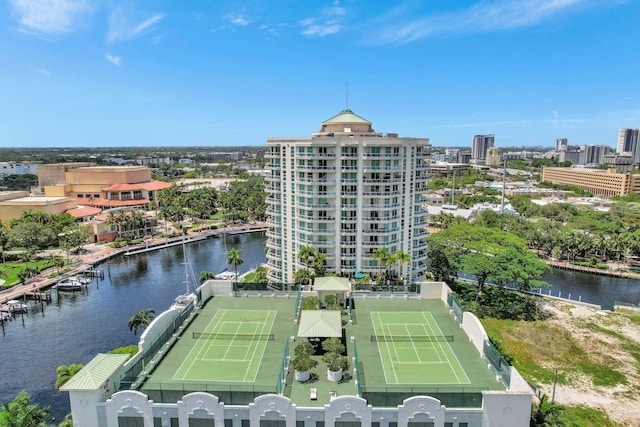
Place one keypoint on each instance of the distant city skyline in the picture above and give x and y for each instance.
(80, 73)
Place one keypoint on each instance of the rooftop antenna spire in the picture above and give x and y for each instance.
(347, 95)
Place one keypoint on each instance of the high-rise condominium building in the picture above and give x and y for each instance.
(561, 144)
(629, 142)
(480, 145)
(346, 192)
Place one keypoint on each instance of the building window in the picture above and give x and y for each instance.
(319, 423)
(80, 196)
(130, 422)
(348, 424)
(420, 424)
(273, 423)
(203, 422)
(157, 422)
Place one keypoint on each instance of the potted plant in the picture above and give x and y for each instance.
(334, 359)
(302, 361)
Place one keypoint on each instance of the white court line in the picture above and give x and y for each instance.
(382, 325)
(413, 345)
(468, 381)
(257, 344)
(195, 357)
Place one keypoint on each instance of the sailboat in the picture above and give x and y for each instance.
(188, 298)
(225, 274)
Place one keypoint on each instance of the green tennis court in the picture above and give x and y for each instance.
(413, 349)
(229, 348)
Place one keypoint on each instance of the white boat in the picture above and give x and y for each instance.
(16, 306)
(5, 316)
(69, 285)
(225, 275)
(81, 279)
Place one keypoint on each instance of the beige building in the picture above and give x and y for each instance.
(100, 186)
(604, 183)
(493, 156)
(14, 203)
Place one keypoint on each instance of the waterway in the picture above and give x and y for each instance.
(75, 327)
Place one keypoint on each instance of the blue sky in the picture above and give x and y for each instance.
(171, 73)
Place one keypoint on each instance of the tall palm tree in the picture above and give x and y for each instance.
(382, 255)
(141, 320)
(234, 258)
(65, 373)
(402, 258)
(307, 254)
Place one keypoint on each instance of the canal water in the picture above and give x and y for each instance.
(75, 327)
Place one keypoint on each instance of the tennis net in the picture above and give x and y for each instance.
(411, 338)
(231, 337)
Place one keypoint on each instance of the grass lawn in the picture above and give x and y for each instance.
(12, 269)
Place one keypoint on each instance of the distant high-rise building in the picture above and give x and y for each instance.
(493, 156)
(629, 142)
(347, 191)
(561, 144)
(481, 143)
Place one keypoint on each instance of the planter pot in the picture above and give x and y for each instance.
(334, 376)
(303, 376)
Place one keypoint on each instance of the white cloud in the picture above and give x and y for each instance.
(330, 22)
(49, 17)
(238, 20)
(42, 71)
(115, 60)
(484, 16)
(121, 26)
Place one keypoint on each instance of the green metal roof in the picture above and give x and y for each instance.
(331, 283)
(320, 323)
(346, 116)
(96, 372)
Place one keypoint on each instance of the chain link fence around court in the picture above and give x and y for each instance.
(151, 350)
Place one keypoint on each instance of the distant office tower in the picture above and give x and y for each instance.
(629, 142)
(347, 191)
(594, 154)
(561, 144)
(493, 156)
(481, 143)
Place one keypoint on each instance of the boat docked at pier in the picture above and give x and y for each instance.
(15, 306)
(69, 284)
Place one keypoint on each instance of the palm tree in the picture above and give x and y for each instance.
(382, 255)
(141, 320)
(206, 275)
(234, 258)
(261, 274)
(65, 373)
(307, 254)
(402, 258)
(546, 414)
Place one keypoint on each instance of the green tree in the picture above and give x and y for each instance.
(261, 274)
(383, 256)
(19, 413)
(141, 320)
(546, 414)
(489, 254)
(234, 257)
(206, 275)
(65, 373)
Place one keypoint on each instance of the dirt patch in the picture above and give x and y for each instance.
(607, 337)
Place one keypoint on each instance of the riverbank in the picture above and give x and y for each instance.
(611, 272)
(99, 253)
